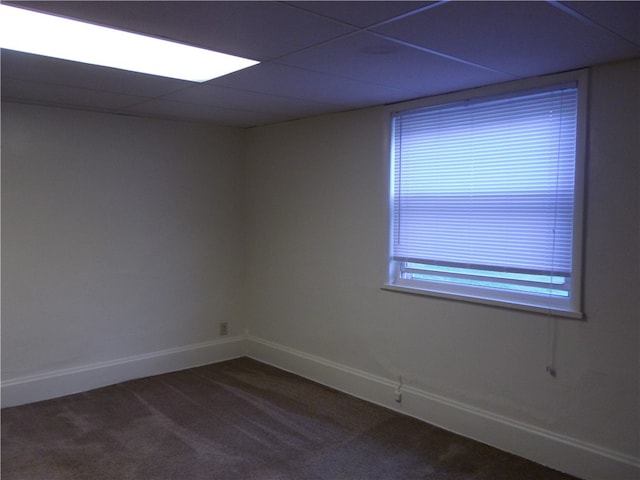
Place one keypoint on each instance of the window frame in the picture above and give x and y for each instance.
(468, 293)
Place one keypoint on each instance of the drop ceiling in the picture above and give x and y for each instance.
(323, 57)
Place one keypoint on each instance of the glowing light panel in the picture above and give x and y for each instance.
(51, 36)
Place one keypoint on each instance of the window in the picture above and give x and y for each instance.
(484, 200)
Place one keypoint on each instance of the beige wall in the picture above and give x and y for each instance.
(317, 221)
(120, 237)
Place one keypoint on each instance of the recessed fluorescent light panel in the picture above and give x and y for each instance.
(51, 36)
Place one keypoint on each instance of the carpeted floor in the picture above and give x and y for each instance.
(239, 419)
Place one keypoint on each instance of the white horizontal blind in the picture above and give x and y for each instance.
(487, 185)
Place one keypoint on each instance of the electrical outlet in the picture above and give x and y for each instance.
(224, 329)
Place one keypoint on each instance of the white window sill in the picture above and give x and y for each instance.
(491, 302)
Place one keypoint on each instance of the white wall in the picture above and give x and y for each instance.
(317, 219)
(121, 238)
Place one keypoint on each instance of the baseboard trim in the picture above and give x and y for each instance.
(563, 453)
(57, 383)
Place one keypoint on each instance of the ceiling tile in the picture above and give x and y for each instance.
(256, 30)
(620, 17)
(292, 82)
(226, 97)
(204, 113)
(360, 13)
(369, 58)
(63, 72)
(46, 93)
(514, 37)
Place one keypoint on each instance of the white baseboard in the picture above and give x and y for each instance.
(557, 451)
(57, 383)
(569, 455)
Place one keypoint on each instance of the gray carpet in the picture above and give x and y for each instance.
(239, 419)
